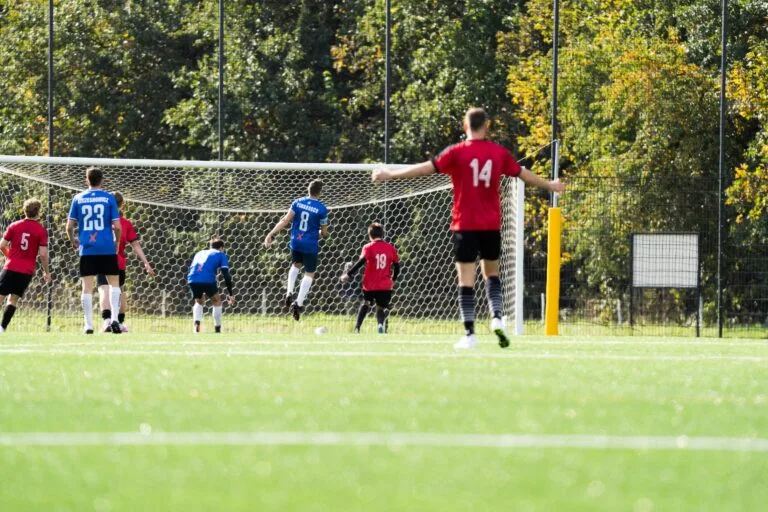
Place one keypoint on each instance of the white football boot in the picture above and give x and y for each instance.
(497, 326)
(466, 343)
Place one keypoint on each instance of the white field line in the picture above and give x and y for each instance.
(395, 354)
(524, 343)
(392, 440)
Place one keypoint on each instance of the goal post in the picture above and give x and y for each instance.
(177, 205)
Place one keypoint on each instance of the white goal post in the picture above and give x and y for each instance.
(177, 205)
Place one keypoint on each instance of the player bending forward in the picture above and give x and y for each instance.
(129, 236)
(22, 242)
(308, 218)
(382, 266)
(96, 216)
(202, 279)
(475, 166)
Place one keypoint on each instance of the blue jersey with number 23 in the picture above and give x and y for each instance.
(94, 210)
(308, 215)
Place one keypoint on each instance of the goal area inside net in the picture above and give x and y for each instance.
(177, 206)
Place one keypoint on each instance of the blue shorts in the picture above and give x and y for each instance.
(307, 259)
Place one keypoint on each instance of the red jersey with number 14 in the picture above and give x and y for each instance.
(379, 257)
(476, 167)
(26, 237)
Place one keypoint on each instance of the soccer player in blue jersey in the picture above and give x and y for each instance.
(202, 279)
(94, 212)
(308, 218)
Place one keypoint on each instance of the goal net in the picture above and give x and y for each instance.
(177, 206)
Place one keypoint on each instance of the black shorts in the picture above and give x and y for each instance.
(95, 264)
(467, 245)
(200, 289)
(307, 259)
(381, 298)
(101, 279)
(14, 283)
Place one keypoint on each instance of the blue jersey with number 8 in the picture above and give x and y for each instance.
(308, 215)
(94, 210)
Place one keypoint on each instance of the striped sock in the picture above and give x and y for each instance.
(467, 308)
(493, 292)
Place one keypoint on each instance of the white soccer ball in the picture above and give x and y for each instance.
(321, 330)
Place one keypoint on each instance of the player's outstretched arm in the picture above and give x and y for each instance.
(414, 171)
(43, 253)
(531, 178)
(281, 225)
(352, 270)
(136, 245)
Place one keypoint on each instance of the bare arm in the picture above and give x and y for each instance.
(43, 253)
(71, 233)
(534, 179)
(118, 230)
(281, 225)
(413, 171)
(324, 231)
(136, 245)
(4, 244)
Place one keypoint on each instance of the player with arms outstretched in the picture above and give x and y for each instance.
(382, 267)
(203, 281)
(129, 236)
(22, 243)
(308, 218)
(94, 212)
(476, 167)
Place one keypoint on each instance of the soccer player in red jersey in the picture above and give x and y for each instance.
(128, 235)
(22, 242)
(382, 266)
(476, 167)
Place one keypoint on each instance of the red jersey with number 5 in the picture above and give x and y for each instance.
(379, 257)
(476, 168)
(26, 237)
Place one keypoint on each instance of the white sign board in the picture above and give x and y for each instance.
(665, 260)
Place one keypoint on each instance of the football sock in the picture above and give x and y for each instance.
(217, 312)
(362, 312)
(121, 317)
(493, 292)
(86, 299)
(114, 301)
(293, 275)
(10, 310)
(197, 312)
(306, 284)
(467, 308)
(381, 315)
(106, 314)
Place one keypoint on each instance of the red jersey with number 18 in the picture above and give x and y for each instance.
(26, 237)
(379, 257)
(476, 167)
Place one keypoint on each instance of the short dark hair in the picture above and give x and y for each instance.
(118, 199)
(315, 188)
(376, 230)
(32, 207)
(217, 243)
(94, 176)
(476, 118)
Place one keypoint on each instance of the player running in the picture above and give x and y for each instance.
(308, 218)
(96, 216)
(22, 242)
(382, 266)
(129, 236)
(202, 280)
(475, 166)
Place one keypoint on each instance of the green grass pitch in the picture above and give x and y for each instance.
(297, 421)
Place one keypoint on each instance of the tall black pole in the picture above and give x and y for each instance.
(221, 79)
(49, 211)
(721, 166)
(387, 79)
